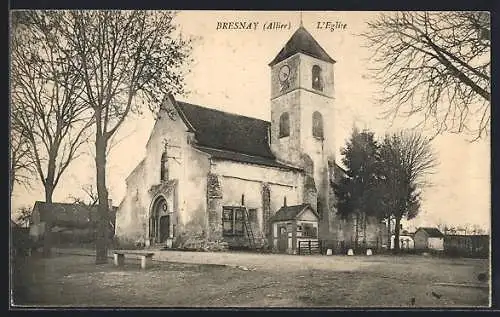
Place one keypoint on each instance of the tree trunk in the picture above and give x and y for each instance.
(389, 240)
(364, 230)
(49, 191)
(356, 234)
(102, 208)
(48, 236)
(396, 234)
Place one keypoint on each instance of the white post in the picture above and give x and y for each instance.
(350, 252)
(119, 259)
(143, 262)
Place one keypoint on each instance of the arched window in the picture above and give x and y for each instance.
(317, 79)
(284, 125)
(317, 125)
(164, 167)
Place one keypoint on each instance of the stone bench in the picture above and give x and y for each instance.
(119, 257)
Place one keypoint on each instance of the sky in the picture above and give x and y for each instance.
(230, 72)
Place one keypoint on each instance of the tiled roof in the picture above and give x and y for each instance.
(290, 212)
(432, 232)
(66, 214)
(229, 136)
(244, 158)
(226, 131)
(302, 42)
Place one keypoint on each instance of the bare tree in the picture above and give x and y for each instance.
(91, 198)
(126, 59)
(406, 158)
(22, 166)
(47, 110)
(436, 64)
(89, 201)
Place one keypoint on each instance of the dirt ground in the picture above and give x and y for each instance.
(382, 281)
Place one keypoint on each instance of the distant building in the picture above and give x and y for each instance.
(405, 241)
(429, 239)
(67, 222)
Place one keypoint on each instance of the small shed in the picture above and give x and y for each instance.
(429, 238)
(292, 225)
(68, 222)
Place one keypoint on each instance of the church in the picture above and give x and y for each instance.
(218, 180)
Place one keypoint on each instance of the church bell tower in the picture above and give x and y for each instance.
(302, 97)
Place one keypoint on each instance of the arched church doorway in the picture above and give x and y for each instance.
(159, 222)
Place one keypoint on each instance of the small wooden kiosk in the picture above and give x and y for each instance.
(294, 226)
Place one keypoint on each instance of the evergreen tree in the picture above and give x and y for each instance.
(356, 191)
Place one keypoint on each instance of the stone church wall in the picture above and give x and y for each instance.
(192, 221)
(286, 149)
(246, 181)
(131, 218)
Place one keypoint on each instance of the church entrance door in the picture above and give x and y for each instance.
(164, 228)
(159, 222)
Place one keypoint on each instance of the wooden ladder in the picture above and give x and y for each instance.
(248, 229)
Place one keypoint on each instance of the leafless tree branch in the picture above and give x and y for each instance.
(435, 65)
(46, 96)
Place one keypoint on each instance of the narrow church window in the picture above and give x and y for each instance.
(317, 82)
(317, 125)
(232, 221)
(164, 167)
(284, 125)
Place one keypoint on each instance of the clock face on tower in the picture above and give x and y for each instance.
(284, 73)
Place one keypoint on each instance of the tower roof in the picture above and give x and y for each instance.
(302, 42)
